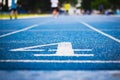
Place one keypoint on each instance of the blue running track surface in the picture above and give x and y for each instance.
(63, 43)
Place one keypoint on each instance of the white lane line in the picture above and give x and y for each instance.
(31, 47)
(14, 32)
(50, 50)
(80, 50)
(77, 50)
(97, 30)
(57, 55)
(33, 50)
(24, 29)
(62, 61)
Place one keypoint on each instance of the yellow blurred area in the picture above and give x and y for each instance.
(5, 16)
(67, 6)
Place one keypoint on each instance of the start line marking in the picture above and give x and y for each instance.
(64, 61)
(63, 49)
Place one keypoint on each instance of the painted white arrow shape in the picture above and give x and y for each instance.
(63, 49)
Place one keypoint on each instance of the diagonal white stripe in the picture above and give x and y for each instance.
(97, 30)
(31, 47)
(24, 29)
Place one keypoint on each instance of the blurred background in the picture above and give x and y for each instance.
(76, 6)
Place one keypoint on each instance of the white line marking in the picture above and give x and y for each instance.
(63, 61)
(63, 49)
(82, 50)
(24, 29)
(31, 47)
(79, 50)
(4, 35)
(50, 50)
(56, 55)
(97, 30)
(33, 50)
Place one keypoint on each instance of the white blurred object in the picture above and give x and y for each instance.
(95, 12)
(72, 10)
(0, 1)
(78, 12)
(78, 3)
(54, 3)
(118, 11)
(10, 3)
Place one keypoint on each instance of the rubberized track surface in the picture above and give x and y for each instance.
(65, 43)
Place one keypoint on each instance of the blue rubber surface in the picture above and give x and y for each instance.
(63, 29)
